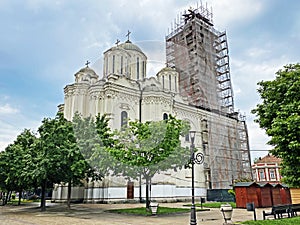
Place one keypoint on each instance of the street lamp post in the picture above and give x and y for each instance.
(198, 160)
(141, 89)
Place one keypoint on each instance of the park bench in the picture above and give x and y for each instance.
(278, 211)
(295, 208)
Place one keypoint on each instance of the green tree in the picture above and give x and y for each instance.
(149, 148)
(278, 114)
(60, 159)
(4, 173)
(17, 163)
(93, 136)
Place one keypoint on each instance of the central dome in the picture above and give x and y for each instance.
(125, 59)
(129, 46)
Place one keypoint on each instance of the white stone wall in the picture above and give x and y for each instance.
(122, 91)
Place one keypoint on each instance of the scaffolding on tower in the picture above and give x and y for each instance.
(200, 55)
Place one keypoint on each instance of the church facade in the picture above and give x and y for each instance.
(125, 91)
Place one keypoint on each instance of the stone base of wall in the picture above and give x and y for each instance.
(159, 193)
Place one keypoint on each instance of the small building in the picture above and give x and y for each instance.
(285, 194)
(261, 194)
(276, 195)
(246, 192)
(265, 195)
(267, 169)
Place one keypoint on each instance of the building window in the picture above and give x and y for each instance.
(163, 81)
(124, 119)
(175, 84)
(137, 68)
(165, 116)
(144, 70)
(187, 137)
(113, 64)
(126, 66)
(121, 64)
(272, 174)
(170, 85)
(262, 174)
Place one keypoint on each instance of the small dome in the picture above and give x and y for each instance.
(86, 75)
(167, 69)
(88, 70)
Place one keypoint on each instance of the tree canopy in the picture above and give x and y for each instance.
(64, 151)
(93, 136)
(60, 159)
(17, 163)
(279, 115)
(149, 148)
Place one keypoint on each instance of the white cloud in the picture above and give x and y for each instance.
(10, 128)
(7, 109)
(7, 134)
(13, 121)
(257, 140)
(258, 52)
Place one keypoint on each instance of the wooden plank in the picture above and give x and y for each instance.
(295, 195)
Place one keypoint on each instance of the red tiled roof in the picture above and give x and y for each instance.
(269, 159)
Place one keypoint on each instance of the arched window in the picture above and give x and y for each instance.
(187, 137)
(124, 119)
(165, 116)
(137, 68)
(144, 70)
(113, 64)
(121, 64)
(126, 66)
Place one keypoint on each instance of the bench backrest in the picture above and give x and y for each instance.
(280, 208)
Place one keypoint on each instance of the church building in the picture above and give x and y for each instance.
(194, 86)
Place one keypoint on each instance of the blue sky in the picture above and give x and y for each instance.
(44, 42)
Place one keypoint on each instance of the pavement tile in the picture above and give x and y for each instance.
(95, 214)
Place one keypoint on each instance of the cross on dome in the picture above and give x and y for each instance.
(127, 35)
(87, 63)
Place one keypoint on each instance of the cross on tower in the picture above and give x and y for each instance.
(127, 35)
(117, 42)
(87, 63)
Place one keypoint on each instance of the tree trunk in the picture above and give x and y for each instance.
(147, 193)
(69, 194)
(20, 196)
(4, 198)
(43, 197)
(7, 197)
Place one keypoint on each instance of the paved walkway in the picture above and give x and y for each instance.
(94, 214)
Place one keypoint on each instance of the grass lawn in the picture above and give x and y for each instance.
(213, 204)
(286, 221)
(23, 201)
(142, 211)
